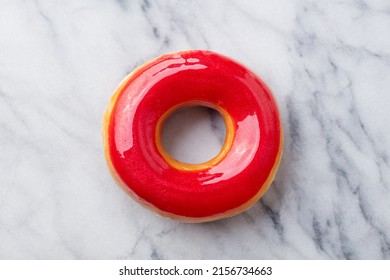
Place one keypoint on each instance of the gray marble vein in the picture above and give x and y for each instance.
(327, 62)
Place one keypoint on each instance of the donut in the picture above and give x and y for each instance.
(228, 184)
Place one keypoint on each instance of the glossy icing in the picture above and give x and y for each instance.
(226, 185)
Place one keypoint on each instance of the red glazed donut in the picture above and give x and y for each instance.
(226, 185)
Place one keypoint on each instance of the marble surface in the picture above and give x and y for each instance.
(327, 62)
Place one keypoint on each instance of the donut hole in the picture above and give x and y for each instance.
(193, 134)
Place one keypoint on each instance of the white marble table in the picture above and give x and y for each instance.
(327, 62)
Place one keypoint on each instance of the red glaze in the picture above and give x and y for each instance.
(183, 77)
